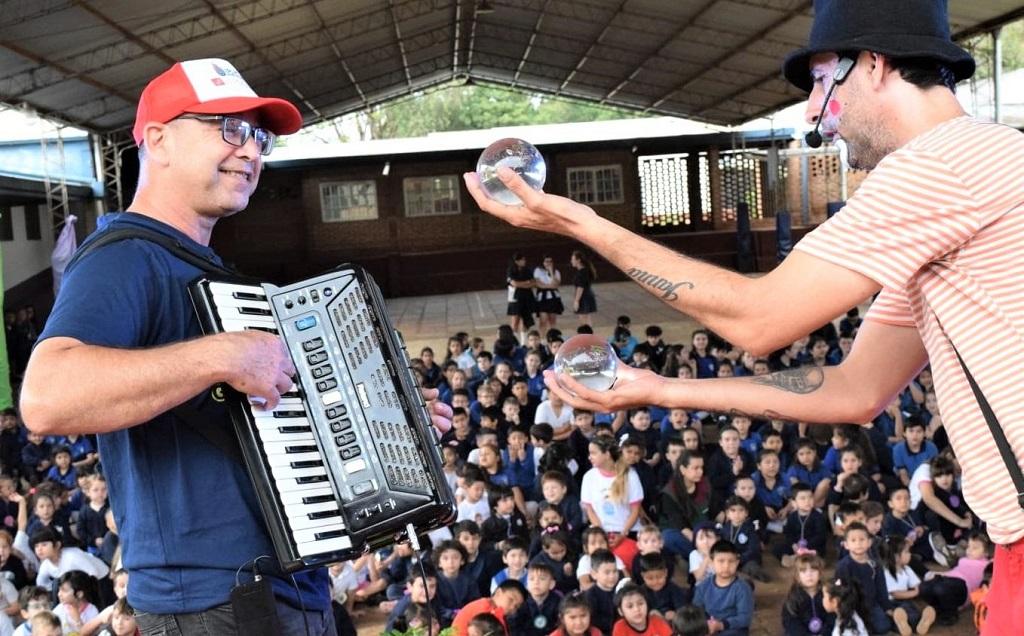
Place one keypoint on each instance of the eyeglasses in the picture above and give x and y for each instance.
(236, 131)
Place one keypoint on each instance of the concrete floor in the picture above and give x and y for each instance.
(429, 320)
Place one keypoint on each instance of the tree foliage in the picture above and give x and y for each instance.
(474, 107)
(983, 50)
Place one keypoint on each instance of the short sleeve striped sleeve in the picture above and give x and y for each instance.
(912, 210)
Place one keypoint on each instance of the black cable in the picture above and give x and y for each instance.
(414, 541)
(302, 606)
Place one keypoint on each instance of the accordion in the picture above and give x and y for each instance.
(349, 457)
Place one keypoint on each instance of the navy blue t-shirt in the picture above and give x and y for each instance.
(187, 513)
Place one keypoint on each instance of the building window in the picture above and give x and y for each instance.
(33, 230)
(595, 185)
(431, 196)
(348, 201)
(6, 225)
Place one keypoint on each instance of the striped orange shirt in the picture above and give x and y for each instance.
(939, 224)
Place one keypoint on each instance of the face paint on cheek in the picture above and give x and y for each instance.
(834, 107)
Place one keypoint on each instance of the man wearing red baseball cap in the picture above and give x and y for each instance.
(935, 231)
(123, 355)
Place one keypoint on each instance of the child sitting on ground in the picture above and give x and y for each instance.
(637, 619)
(729, 602)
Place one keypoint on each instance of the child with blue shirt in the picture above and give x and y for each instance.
(515, 558)
(538, 616)
(772, 489)
(858, 565)
(806, 530)
(913, 451)
(62, 471)
(663, 595)
(739, 531)
(806, 468)
(728, 601)
(749, 441)
(455, 588)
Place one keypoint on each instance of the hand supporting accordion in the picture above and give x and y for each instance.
(349, 459)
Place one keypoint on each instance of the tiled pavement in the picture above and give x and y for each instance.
(429, 320)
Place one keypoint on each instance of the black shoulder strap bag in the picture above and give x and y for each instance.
(203, 423)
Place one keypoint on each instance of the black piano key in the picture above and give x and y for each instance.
(300, 449)
(324, 514)
(265, 329)
(317, 499)
(314, 479)
(333, 534)
(312, 463)
(289, 414)
(241, 295)
(291, 394)
(294, 429)
(254, 311)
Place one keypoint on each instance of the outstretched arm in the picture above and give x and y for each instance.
(855, 391)
(758, 314)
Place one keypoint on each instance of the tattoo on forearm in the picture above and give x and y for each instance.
(666, 287)
(802, 380)
(766, 414)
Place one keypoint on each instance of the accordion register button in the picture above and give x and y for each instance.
(355, 466)
(326, 385)
(350, 452)
(331, 397)
(336, 411)
(363, 488)
(313, 345)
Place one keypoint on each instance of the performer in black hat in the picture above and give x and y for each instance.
(935, 231)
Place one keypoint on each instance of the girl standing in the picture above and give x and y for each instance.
(549, 301)
(584, 303)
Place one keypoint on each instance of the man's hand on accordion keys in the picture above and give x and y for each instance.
(257, 364)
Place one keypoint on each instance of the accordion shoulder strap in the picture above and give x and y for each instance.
(220, 436)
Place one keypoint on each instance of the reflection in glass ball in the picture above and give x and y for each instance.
(589, 359)
(516, 154)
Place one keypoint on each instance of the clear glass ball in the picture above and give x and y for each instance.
(516, 154)
(588, 359)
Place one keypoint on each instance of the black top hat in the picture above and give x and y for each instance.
(899, 28)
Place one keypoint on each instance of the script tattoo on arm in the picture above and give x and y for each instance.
(802, 380)
(666, 287)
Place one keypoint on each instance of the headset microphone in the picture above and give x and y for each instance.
(813, 138)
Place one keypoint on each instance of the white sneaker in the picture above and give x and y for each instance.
(940, 551)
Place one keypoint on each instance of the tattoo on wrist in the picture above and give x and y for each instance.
(802, 380)
(666, 287)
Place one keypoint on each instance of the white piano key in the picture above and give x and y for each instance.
(218, 289)
(287, 459)
(309, 535)
(296, 497)
(252, 320)
(305, 523)
(240, 324)
(325, 546)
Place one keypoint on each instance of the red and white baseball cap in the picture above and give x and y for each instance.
(211, 87)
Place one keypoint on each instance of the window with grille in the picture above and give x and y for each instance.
(664, 191)
(595, 185)
(431, 196)
(741, 182)
(348, 201)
